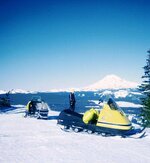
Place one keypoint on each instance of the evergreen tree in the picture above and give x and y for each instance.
(145, 88)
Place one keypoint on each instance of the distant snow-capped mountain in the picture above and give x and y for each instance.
(14, 91)
(2, 92)
(20, 91)
(111, 82)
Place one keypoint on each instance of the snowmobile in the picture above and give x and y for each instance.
(111, 121)
(37, 108)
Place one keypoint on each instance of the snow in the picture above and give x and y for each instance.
(121, 93)
(2, 92)
(128, 104)
(137, 93)
(14, 91)
(31, 140)
(107, 92)
(120, 103)
(81, 95)
(111, 82)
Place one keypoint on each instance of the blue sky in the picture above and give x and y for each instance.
(62, 44)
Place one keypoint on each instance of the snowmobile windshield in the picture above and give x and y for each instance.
(42, 106)
(36, 99)
(112, 104)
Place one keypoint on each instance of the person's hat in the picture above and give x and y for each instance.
(72, 90)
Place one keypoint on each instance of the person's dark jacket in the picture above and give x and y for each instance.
(72, 99)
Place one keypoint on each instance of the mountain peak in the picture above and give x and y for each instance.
(111, 77)
(112, 82)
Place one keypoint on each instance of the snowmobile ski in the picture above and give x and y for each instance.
(138, 133)
(137, 136)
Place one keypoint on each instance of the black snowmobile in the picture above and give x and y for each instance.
(111, 121)
(37, 108)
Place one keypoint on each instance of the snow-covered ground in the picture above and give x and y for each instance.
(28, 140)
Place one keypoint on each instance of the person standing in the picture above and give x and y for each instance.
(72, 100)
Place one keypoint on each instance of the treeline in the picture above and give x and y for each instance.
(145, 88)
